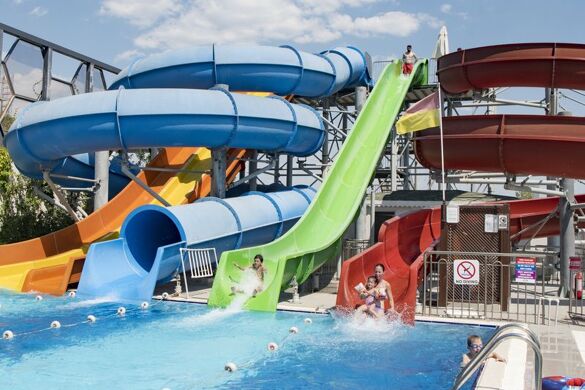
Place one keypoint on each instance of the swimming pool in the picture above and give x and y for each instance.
(185, 346)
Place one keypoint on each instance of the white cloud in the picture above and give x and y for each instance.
(446, 8)
(169, 24)
(38, 11)
(141, 13)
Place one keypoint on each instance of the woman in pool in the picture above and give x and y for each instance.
(383, 288)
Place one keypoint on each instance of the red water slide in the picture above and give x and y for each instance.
(516, 144)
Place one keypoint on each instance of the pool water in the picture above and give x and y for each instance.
(186, 346)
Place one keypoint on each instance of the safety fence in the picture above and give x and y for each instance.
(486, 285)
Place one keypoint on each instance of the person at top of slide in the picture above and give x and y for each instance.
(409, 58)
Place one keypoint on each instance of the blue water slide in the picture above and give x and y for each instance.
(148, 250)
(281, 70)
(134, 119)
(156, 118)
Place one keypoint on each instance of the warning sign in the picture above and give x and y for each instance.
(466, 272)
(525, 270)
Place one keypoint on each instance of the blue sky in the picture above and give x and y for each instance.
(114, 31)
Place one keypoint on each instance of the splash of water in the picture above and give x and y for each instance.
(244, 291)
(357, 326)
(94, 301)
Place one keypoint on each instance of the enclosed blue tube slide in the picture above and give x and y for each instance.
(148, 249)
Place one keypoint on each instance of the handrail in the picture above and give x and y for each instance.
(528, 336)
(522, 327)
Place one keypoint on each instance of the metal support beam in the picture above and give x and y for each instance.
(567, 238)
(276, 168)
(218, 174)
(47, 73)
(252, 169)
(253, 175)
(363, 220)
(289, 171)
(144, 186)
(325, 147)
(551, 109)
(61, 196)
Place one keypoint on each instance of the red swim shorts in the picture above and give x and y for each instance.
(407, 68)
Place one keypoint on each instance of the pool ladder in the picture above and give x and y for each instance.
(521, 332)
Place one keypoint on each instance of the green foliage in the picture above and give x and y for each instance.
(23, 214)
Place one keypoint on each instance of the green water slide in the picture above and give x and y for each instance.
(316, 237)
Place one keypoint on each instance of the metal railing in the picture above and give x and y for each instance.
(522, 333)
(498, 292)
(199, 263)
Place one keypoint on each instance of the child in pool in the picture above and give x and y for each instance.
(371, 298)
(474, 346)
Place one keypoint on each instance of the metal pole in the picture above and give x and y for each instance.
(362, 223)
(325, 147)
(253, 167)
(554, 242)
(276, 168)
(101, 159)
(289, 171)
(219, 163)
(567, 237)
(218, 169)
(47, 73)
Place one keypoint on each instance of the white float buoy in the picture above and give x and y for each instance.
(121, 311)
(165, 295)
(91, 318)
(308, 321)
(230, 367)
(272, 346)
(294, 329)
(55, 324)
(39, 297)
(72, 294)
(144, 305)
(7, 335)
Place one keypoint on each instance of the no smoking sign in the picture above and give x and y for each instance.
(466, 272)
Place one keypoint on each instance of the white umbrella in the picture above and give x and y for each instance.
(442, 46)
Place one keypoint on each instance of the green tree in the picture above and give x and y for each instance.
(23, 214)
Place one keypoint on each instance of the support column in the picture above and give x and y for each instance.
(553, 243)
(47, 73)
(218, 168)
(253, 167)
(276, 168)
(363, 220)
(567, 237)
(289, 171)
(325, 147)
(101, 158)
